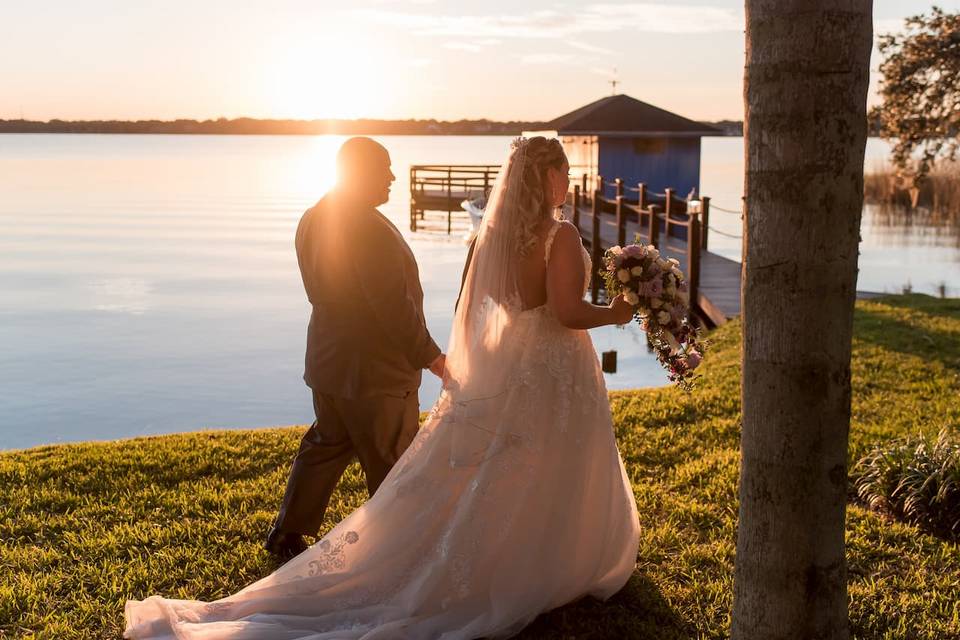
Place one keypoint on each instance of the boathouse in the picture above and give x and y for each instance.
(620, 136)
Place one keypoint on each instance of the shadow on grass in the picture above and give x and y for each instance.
(638, 611)
(909, 339)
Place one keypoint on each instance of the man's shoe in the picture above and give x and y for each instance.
(284, 545)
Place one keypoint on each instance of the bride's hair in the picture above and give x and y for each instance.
(533, 205)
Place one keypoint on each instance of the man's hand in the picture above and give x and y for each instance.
(438, 365)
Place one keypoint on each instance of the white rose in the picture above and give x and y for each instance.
(637, 271)
(674, 262)
(623, 275)
(676, 272)
(663, 264)
(617, 250)
(631, 298)
(663, 317)
(652, 252)
(656, 303)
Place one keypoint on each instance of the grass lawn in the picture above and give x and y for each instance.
(85, 527)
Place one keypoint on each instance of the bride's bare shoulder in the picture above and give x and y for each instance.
(566, 244)
(567, 231)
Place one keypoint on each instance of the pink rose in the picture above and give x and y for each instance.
(633, 251)
(652, 288)
(694, 359)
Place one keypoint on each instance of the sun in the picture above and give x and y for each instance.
(329, 77)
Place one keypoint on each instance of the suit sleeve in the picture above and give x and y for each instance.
(378, 271)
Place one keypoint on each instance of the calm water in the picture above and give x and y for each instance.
(148, 284)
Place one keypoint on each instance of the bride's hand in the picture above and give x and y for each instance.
(621, 310)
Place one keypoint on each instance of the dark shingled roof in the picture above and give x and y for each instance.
(622, 114)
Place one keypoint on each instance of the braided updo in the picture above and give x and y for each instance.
(533, 202)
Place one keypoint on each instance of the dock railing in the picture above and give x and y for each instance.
(663, 220)
(444, 187)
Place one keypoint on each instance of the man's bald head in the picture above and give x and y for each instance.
(363, 171)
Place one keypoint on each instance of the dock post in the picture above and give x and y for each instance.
(595, 248)
(704, 220)
(693, 260)
(449, 189)
(621, 220)
(654, 226)
(641, 207)
(667, 211)
(576, 206)
(413, 208)
(583, 185)
(618, 185)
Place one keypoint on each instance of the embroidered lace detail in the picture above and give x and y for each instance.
(331, 556)
(548, 242)
(217, 608)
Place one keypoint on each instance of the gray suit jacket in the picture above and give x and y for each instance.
(367, 333)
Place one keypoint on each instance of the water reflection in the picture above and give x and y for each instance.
(899, 225)
(120, 294)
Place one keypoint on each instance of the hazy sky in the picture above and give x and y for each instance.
(499, 59)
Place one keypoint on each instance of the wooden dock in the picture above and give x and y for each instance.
(443, 187)
(614, 214)
(665, 221)
(714, 280)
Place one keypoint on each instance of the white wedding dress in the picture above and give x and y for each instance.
(512, 500)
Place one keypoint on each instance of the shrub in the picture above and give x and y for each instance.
(916, 479)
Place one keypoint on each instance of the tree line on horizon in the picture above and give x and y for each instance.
(254, 126)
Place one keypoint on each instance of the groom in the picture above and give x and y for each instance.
(366, 344)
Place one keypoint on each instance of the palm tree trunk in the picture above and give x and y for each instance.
(805, 127)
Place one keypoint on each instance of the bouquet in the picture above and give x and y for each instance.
(656, 288)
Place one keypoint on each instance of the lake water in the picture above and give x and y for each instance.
(148, 284)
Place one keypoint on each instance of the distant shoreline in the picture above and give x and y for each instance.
(252, 126)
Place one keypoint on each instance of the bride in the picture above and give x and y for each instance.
(512, 499)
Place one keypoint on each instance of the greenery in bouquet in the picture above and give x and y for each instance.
(659, 293)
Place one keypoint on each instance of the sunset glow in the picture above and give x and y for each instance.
(319, 174)
(390, 59)
(320, 78)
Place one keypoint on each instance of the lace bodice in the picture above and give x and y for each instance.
(587, 262)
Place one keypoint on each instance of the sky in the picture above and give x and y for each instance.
(393, 59)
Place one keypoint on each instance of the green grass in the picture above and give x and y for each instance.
(85, 527)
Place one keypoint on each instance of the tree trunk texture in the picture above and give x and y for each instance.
(805, 91)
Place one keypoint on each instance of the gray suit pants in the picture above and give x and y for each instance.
(377, 430)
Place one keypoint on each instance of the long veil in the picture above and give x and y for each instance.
(479, 367)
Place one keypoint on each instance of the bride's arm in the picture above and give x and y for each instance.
(565, 287)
